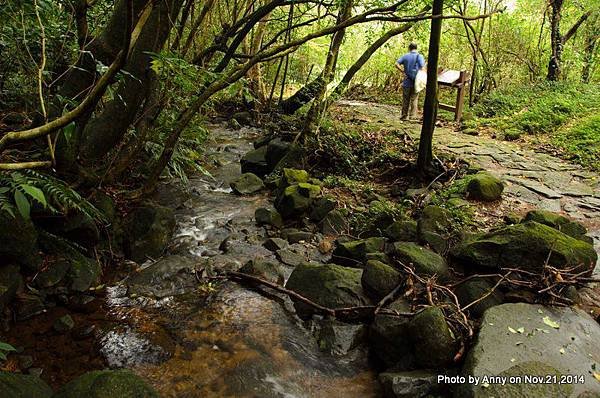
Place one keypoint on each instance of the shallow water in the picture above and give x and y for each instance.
(222, 339)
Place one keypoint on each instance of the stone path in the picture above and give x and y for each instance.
(533, 179)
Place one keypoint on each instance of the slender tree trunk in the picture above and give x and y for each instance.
(588, 58)
(431, 91)
(556, 42)
(329, 70)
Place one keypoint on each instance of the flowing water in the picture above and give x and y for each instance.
(221, 339)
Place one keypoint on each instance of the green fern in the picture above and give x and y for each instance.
(18, 189)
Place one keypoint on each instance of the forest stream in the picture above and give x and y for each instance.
(237, 342)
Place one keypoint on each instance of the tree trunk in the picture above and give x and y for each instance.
(328, 73)
(105, 131)
(556, 42)
(431, 91)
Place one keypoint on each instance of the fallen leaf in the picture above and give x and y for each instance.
(551, 323)
(511, 330)
(596, 376)
(562, 350)
(521, 330)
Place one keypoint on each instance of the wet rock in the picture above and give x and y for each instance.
(53, 274)
(557, 339)
(389, 337)
(107, 384)
(475, 289)
(410, 384)
(321, 208)
(255, 162)
(83, 273)
(276, 150)
(426, 262)
(149, 229)
(329, 285)
(434, 343)
(379, 279)
(526, 246)
(29, 305)
(169, 276)
(339, 338)
(484, 186)
(19, 241)
(300, 236)
(78, 227)
(63, 324)
(405, 231)
(435, 228)
(244, 118)
(267, 270)
(274, 244)
(561, 223)
(289, 257)
(247, 184)
(10, 282)
(334, 223)
(354, 253)
(271, 217)
(14, 385)
(296, 199)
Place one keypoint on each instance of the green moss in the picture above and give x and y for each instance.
(434, 344)
(425, 261)
(15, 385)
(379, 279)
(107, 384)
(484, 186)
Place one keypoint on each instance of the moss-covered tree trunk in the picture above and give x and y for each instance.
(556, 42)
(431, 91)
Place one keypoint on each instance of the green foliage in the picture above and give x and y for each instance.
(20, 190)
(536, 109)
(581, 141)
(379, 215)
(4, 349)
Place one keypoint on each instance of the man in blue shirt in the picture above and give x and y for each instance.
(410, 63)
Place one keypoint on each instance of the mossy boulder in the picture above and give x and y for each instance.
(405, 231)
(255, 162)
(10, 282)
(329, 285)
(321, 208)
(334, 223)
(264, 216)
(389, 337)
(485, 187)
(354, 253)
(379, 279)
(276, 150)
(561, 340)
(296, 199)
(19, 241)
(434, 228)
(107, 384)
(247, 184)
(425, 261)
(526, 246)
(293, 176)
(15, 385)
(559, 222)
(433, 342)
(267, 270)
(149, 230)
(475, 289)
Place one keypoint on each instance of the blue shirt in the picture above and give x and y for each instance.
(410, 61)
